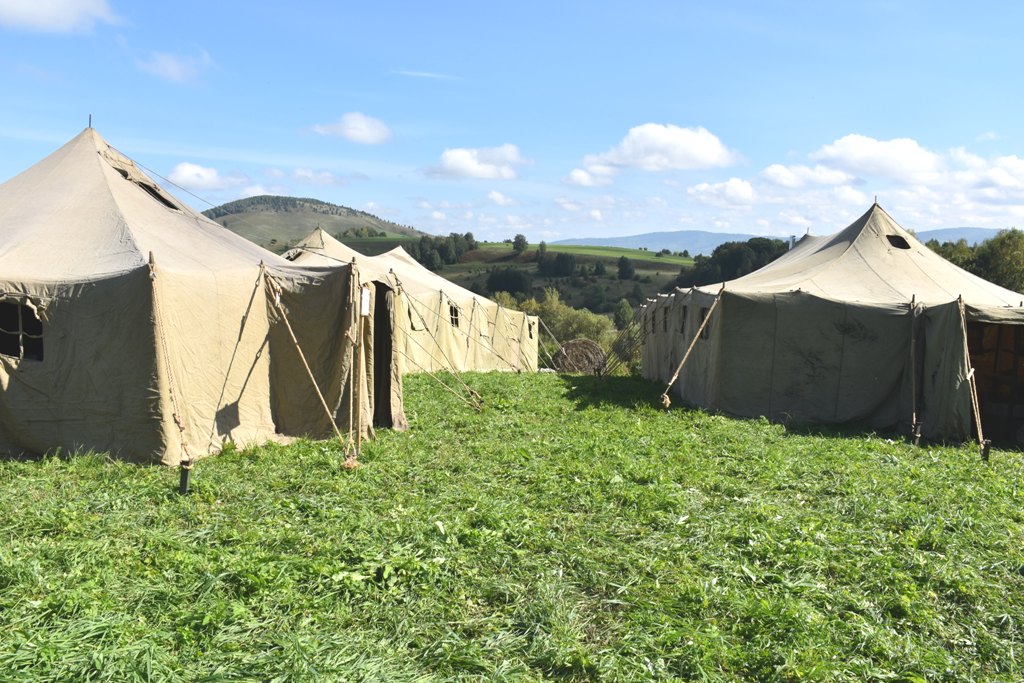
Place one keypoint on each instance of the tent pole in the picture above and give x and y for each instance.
(915, 428)
(353, 307)
(275, 297)
(984, 444)
(665, 400)
(359, 378)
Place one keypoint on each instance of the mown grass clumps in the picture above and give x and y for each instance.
(570, 531)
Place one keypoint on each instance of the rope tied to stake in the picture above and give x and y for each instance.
(666, 402)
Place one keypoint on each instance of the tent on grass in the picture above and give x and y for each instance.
(133, 325)
(446, 327)
(866, 326)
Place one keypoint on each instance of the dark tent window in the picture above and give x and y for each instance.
(682, 325)
(707, 328)
(453, 313)
(898, 241)
(149, 189)
(664, 319)
(21, 331)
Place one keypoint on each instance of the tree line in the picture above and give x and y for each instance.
(437, 252)
(999, 260)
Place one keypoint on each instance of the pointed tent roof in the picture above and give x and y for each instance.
(422, 280)
(87, 211)
(873, 260)
(319, 248)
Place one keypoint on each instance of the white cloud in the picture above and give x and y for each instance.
(732, 191)
(195, 177)
(798, 176)
(567, 204)
(55, 16)
(849, 195)
(312, 177)
(357, 127)
(581, 178)
(795, 220)
(489, 163)
(437, 215)
(595, 214)
(900, 159)
(255, 191)
(965, 158)
(175, 68)
(1000, 181)
(657, 147)
(500, 199)
(986, 136)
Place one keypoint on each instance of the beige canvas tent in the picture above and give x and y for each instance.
(446, 327)
(866, 326)
(131, 324)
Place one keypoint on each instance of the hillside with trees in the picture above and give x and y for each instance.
(276, 222)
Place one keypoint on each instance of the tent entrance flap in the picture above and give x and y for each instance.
(997, 356)
(383, 351)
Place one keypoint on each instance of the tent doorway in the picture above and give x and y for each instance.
(997, 356)
(383, 350)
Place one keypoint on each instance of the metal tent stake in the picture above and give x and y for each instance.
(185, 475)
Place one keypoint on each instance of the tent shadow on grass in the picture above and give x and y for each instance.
(588, 391)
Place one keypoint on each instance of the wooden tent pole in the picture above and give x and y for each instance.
(983, 444)
(665, 400)
(275, 297)
(915, 428)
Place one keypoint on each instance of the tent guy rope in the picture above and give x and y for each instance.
(665, 400)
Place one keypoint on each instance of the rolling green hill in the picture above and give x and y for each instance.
(276, 223)
(586, 288)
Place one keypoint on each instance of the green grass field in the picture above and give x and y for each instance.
(568, 532)
(645, 259)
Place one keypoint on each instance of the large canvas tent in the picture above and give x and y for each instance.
(131, 324)
(446, 327)
(866, 326)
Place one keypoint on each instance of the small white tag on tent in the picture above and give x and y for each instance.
(365, 307)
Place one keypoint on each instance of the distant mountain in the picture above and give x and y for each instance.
(278, 222)
(972, 235)
(693, 241)
(704, 242)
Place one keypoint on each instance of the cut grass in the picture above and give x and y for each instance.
(570, 531)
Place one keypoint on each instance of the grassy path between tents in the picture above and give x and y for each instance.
(561, 534)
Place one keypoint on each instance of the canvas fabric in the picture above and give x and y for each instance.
(445, 326)
(861, 327)
(161, 338)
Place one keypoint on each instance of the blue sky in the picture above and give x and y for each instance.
(552, 119)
